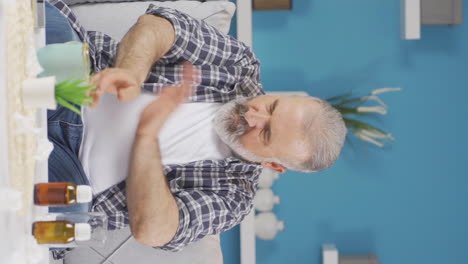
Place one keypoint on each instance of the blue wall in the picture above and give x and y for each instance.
(408, 203)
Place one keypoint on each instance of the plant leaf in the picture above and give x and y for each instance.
(356, 124)
(339, 97)
(68, 105)
(353, 100)
(74, 91)
(349, 110)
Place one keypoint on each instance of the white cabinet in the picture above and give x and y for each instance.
(441, 12)
(417, 13)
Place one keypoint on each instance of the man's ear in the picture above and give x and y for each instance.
(274, 166)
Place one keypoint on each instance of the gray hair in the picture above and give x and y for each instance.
(325, 134)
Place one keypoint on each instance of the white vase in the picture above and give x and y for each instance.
(265, 200)
(267, 177)
(39, 92)
(267, 226)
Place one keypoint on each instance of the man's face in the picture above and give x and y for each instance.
(265, 128)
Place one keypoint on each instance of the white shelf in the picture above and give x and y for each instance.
(247, 239)
(330, 254)
(411, 19)
(244, 21)
(247, 227)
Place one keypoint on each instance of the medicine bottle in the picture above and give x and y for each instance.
(61, 194)
(60, 232)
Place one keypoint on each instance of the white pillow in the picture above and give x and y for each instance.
(122, 248)
(204, 251)
(115, 19)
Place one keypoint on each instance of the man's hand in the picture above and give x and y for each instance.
(143, 45)
(155, 114)
(120, 82)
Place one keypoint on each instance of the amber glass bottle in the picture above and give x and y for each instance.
(60, 232)
(61, 194)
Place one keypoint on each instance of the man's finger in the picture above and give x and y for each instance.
(98, 81)
(188, 91)
(94, 94)
(95, 100)
(188, 73)
(95, 78)
(126, 89)
(190, 76)
(128, 93)
(107, 84)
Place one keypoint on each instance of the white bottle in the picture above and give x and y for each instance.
(265, 200)
(267, 226)
(267, 177)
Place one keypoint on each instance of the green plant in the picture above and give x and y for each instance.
(353, 108)
(73, 92)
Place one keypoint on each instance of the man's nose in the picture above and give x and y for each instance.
(256, 119)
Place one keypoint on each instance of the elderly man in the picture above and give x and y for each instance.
(177, 171)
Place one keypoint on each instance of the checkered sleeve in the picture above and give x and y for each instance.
(113, 203)
(201, 43)
(211, 211)
(229, 68)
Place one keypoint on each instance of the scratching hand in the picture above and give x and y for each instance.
(156, 113)
(116, 81)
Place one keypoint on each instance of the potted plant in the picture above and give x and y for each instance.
(355, 108)
(45, 93)
(55, 84)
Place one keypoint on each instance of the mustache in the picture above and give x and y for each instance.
(240, 127)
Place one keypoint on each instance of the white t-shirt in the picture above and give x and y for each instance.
(109, 131)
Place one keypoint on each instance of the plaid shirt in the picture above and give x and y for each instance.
(212, 195)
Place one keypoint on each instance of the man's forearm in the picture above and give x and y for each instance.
(153, 211)
(144, 44)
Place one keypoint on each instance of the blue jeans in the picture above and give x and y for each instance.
(65, 127)
(58, 29)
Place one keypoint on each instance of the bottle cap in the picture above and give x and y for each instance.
(84, 194)
(82, 232)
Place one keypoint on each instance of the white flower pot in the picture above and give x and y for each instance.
(40, 92)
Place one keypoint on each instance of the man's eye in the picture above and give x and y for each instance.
(266, 133)
(271, 108)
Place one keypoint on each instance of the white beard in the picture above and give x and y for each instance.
(230, 132)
